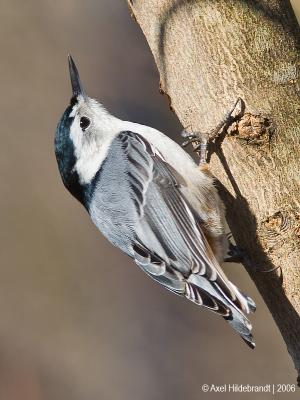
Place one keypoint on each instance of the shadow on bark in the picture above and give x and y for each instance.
(243, 225)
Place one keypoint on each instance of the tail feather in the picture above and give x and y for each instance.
(235, 309)
(242, 326)
(246, 303)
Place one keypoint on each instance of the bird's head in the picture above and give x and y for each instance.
(79, 137)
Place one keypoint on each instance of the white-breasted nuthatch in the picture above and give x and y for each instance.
(149, 198)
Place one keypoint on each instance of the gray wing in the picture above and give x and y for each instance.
(170, 245)
(152, 222)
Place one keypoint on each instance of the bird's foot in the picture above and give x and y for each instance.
(235, 254)
(202, 139)
(238, 255)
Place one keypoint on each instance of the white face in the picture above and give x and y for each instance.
(91, 132)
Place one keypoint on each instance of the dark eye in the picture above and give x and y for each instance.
(84, 123)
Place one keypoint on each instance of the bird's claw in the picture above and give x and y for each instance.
(193, 137)
(189, 141)
(203, 139)
(187, 135)
(235, 254)
(229, 236)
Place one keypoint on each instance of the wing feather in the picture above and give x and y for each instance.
(170, 244)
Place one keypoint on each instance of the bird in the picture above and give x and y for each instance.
(151, 200)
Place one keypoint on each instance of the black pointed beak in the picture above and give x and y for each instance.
(77, 87)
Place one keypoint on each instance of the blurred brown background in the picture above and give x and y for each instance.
(78, 320)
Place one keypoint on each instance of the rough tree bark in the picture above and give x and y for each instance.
(208, 53)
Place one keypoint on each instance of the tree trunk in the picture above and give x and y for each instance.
(209, 53)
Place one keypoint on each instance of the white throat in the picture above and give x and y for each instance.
(91, 146)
